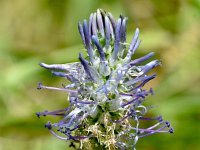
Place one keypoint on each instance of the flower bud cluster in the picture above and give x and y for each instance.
(107, 92)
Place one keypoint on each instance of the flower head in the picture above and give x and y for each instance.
(107, 92)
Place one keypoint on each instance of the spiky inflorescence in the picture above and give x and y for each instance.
(106, 93)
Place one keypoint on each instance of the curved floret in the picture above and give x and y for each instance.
(107, 92)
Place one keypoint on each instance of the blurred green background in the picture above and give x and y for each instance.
(46, 31)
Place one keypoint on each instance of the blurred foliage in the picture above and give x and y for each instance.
(46, 30)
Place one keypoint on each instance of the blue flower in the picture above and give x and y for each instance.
(106, 93)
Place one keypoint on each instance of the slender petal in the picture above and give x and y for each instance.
(122, 46)
(80, 28)
(40, 86)
(94, 24)
(85, 65)
(100, 23)
(90, 25)
(134, 45)
(87, 40)
(110, 16)
(117, 39)
(134, 81)
(70, 77)
(130, 53)
(141, 59)
(56, 66)
(60, 74)
(150, 66)
(135, 38)
(123, 30)
(99, 48)
(108, 31)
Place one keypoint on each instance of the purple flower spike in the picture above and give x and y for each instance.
(107, 91)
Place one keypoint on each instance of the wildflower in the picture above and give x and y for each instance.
(106, 93)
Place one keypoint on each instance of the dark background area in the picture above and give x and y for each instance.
(46, 31)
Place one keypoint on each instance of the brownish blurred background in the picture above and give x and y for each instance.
(46, 30)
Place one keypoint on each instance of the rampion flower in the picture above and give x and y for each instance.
(106, 93)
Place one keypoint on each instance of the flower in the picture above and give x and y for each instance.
(106, 93)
